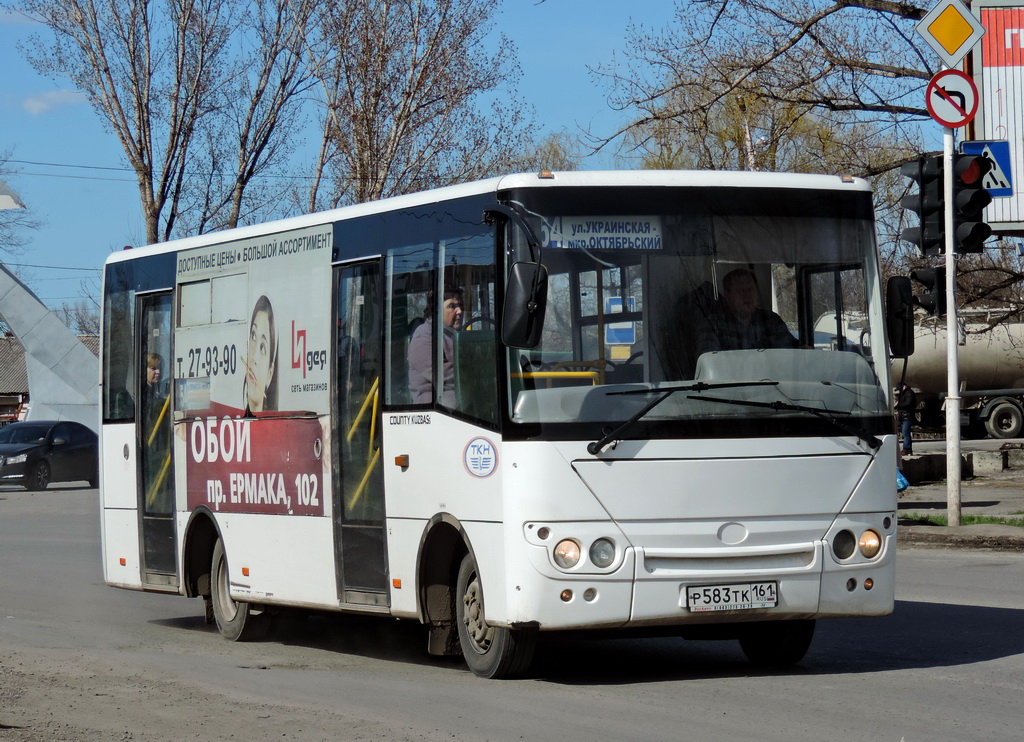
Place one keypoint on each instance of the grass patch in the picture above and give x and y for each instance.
(965, 520)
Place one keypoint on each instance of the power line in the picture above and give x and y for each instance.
(51, 267)
(131, 170)
(81, 167)
(76, 177)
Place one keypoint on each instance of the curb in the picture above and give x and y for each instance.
(992, 538)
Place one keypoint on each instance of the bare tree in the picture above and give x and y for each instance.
(855, 63)
(412, 97)
(557, 151)
(259, 114)
(171, 79)
(82, 317)
(15, 217)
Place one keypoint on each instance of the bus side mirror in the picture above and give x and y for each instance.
(899, 316)
(526, 292)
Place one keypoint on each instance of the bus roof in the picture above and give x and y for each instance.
(621, 178)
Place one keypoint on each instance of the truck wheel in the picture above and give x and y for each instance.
(1005, 421)
(490, 651)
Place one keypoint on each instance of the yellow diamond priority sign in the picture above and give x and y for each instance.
(951, 30)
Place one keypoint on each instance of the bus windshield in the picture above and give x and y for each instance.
(655, 288)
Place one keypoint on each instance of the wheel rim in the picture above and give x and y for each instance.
(42, 477)
(1006, 420)
(480, 634)
(226, 607)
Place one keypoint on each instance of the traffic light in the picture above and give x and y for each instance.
(927, 203)
(933, 300)
(969, 202)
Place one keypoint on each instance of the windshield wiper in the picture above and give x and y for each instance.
(825, 414)
(595, 446)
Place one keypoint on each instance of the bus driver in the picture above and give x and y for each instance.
(742, 324)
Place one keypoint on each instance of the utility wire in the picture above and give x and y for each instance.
(51, 267)
(130, 170)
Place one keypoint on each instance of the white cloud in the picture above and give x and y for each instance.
(51, 99)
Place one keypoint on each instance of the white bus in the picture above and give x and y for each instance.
(536, 403)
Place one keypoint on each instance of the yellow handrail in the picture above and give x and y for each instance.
(592, 376)
(371, 396)
(159, 419)
(372, 402)
(363, 482)
(158, 483)
(373, 421)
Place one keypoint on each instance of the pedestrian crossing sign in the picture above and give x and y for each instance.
(999, 180)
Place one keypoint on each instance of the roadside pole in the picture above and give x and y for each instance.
(951, 30)
(953, 473)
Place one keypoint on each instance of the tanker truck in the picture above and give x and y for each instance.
(991, 363)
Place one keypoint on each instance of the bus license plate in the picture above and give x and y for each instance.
(739, 597)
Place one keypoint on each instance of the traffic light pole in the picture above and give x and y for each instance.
(952, 344)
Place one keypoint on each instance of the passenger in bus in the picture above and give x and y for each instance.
(153, 396)
(421, 349)
(741, 324)
(156, 427)
(260, 385)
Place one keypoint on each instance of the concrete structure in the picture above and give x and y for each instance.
(63, 374)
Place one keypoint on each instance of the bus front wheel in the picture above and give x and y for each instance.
(238, 622)
(777, 643)
(490, 651)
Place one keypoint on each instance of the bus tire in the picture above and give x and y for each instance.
(237, 622)
(489, 651)
(777, 643)
(1005, 421)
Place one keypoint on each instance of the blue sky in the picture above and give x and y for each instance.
(89, 210)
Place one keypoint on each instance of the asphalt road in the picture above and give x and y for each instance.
(82, 661)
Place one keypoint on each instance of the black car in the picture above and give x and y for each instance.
(36, 453)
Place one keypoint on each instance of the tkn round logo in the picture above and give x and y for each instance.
(480, 457)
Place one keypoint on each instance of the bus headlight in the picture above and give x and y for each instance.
(870, 544)
(567, 553)
(602, 553)
(843, 545)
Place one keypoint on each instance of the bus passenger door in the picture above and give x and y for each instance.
(155, 464)
(358, 482)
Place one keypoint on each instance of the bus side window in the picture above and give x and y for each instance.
(410, 279)
(475, 346)
(118, 371)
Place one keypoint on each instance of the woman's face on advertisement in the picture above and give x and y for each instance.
(259, 361)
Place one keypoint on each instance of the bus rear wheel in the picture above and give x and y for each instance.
(238, 622)
(490, 651)
(777, 643)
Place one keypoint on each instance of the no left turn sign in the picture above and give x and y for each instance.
(952, 98)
